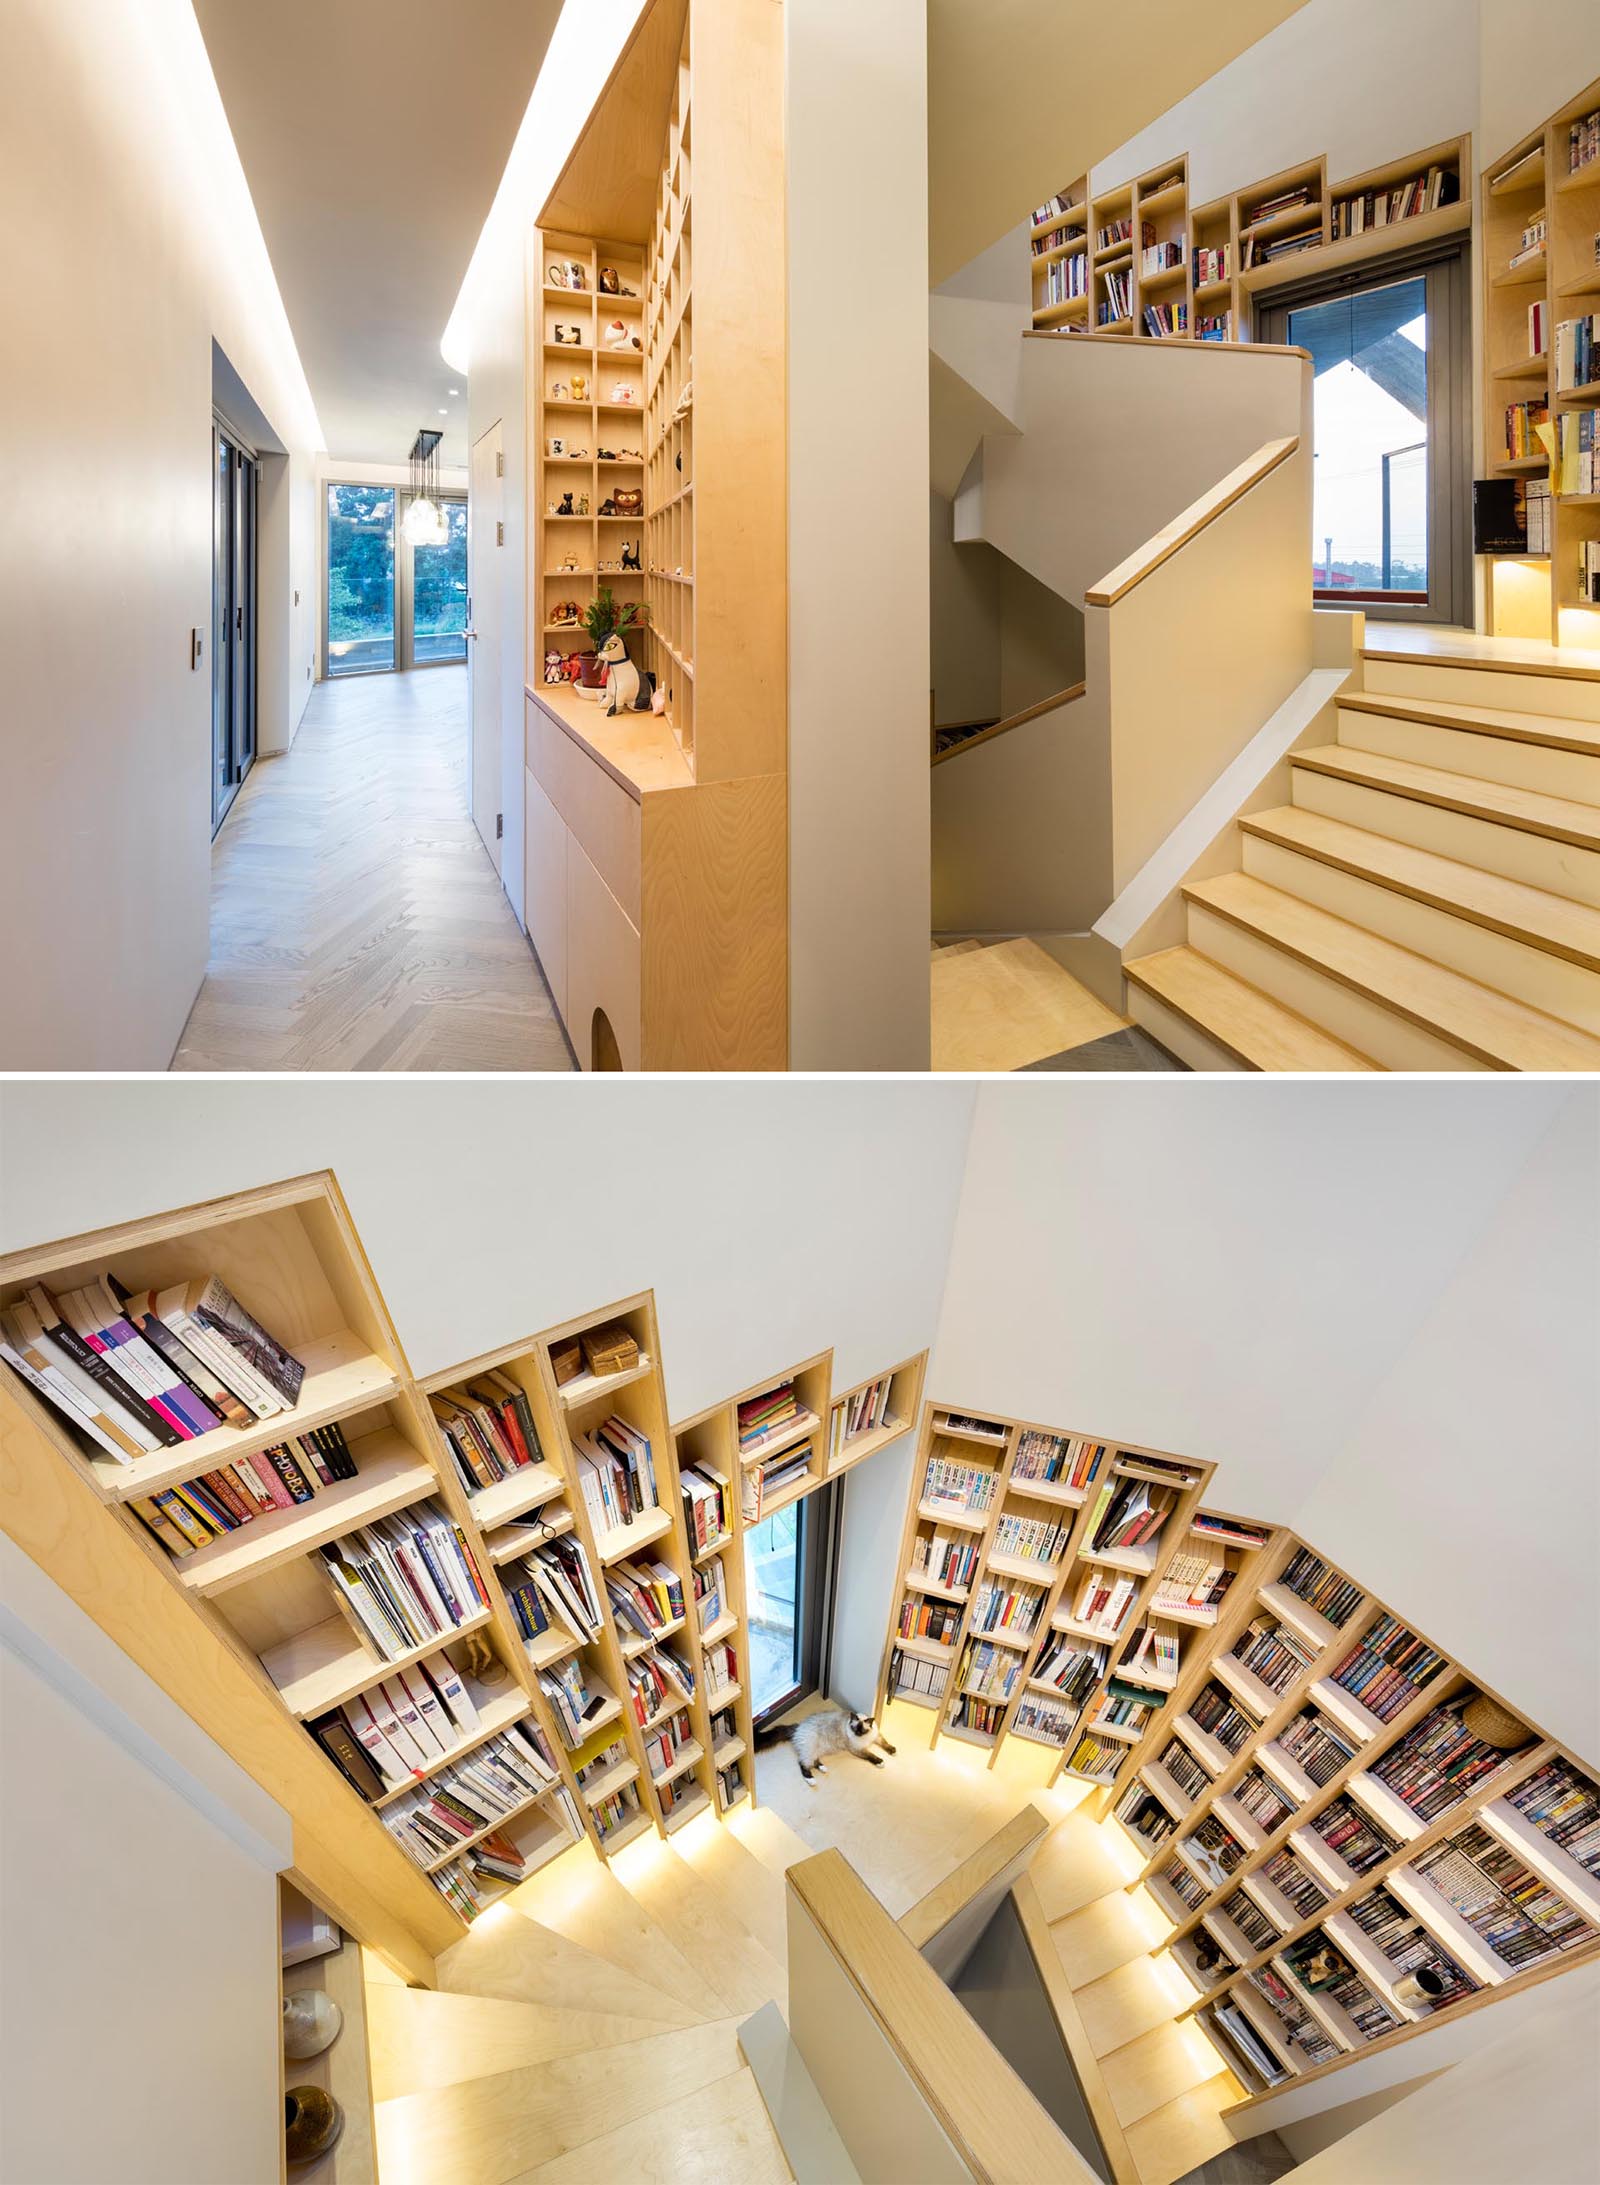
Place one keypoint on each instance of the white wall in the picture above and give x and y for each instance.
(858, 539)
(129, 244)
(1362, 80)
(138, 1921)
(772, 1219)
(869, 1548)
(1502, 1373)
(1523, 78)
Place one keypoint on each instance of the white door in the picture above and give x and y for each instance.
(485, 512)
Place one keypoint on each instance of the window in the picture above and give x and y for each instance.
(439, 594)
(234, 478)
(1391, 411)
(787, 1564)
(361, 619)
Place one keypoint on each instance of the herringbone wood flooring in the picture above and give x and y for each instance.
(357, 922)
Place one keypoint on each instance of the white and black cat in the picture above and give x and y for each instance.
(831, 1730)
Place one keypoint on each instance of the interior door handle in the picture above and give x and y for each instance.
(469, 633)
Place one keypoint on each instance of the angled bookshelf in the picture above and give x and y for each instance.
(1540, 214)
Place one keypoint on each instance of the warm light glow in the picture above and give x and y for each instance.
(424, 523)
(580, 56)
(1522, 599)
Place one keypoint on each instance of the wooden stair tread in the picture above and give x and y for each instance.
(1534, 728)
(593, 1909)
(720, 2131)
(768, 1837)
(698, 1921)
(956, 948)
(1008, 1004)
(520, 1961)
(1498, 1031)
(752, 1889)
(1552, 922)
(1558, 818)
(1258, 1031)
(1565, 665)
(428, 2037)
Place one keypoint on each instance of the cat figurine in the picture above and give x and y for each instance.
(832, 1730)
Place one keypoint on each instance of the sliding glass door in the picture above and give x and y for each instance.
(233, 619)
(788, 1560)
(1392, 425)
(390, 604)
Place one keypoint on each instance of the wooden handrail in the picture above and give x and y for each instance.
(1170, 347)
(1012, 720)
(1021, 1834)
(999, 2130)
(1194, 519)
(1074, 2034)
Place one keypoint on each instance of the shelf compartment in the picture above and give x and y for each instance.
(321, 1668)
(1290, 1609)
(1177, 1802)
(341, 1376)
(494, 1715)
(1390, 1812)
(1205, 1747)
(513, 1540)
(390, 1474)
(685, 1810)
(781, 1438)
(996, 1439)
(1260, 1699)
(494, 1827)
(1446, 1925)
(1346, 1710)
(610, 1779)
(525, 1489)
(623, 1540)
(689, 1757)
(1287, 1772)
(1546, 1859)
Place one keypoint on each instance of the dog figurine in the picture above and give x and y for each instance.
(625, 688)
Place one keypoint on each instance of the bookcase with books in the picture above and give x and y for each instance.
(866, 1418)
(782, 1429)
(1347, 1834)
(1541, 320)
(709, 1474)
(1059, 247)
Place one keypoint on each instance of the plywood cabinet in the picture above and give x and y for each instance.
(544, 837)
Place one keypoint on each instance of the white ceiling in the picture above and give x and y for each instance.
(373, 135)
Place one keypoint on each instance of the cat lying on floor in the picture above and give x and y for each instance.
(831, 1730)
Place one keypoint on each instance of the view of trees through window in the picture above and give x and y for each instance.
(362, 590)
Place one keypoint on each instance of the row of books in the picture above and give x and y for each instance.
(193, 1512)
(1314, 2045)
(575, 1700)
(711, 1597)
(1113, 233)
(1214, 326)
(1104, 1600)
(1435, 1765)
(1538, 327)
(616, 1474)
(665, 1744)
(863, 1413)
(1517, 1914)
(465, 1797)
(554, 1582)
(1131, 1514)
(1251, 1921)
(1232, 1531)
(963, 1422)
(610, 1756)
(1047, 1721)
(938, 1621)
(1153, 1653)
(1096, 1757)
(1387, 1668)
(1354, 1835)
(469, 1883)
(1396, 1931)
(1294, 1882)
(1212, 262)
(1273, 1653)
(991, 1672)
(1215, 1710)
(1073, 1668)
(730, 1785)
(615, 1814)
(1054, 207)
(1588, 572)
(721, 1664)
(1157, 257)
(1289, 200)
(1067, 278)
(488, 1429)
(1144, 1814)
(910, 1673)
(1522, 422)
(1564, 1805)
(1165, 320)
(1049, 238)
(400, 1729)
(1184, 1769)
(983, 1715)
(1117, 298)
(1128, 1706)
(1063, 1460)
(1030, 1539)
(761, 1485)
(945, 1561)
(763, 1418)
(1321, 1587)
(1193, 1581)
(1583, 142)
(1535, 241)
(148, 1370)
(405, 1579)
(645, 1597)
(657, 1680)
(1318, 1747)
(964, 1486)
(1577, 352)
(1266, 250)
(1577, 467)
(1369, 209)
(1267, 1805)
(1342, 1987)
(706, 1508)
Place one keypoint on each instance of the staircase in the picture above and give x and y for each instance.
(999, 1005)
(586, 2027)
(1429, 899)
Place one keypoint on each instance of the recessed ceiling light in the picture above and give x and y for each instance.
(455, 390)
(444, 413)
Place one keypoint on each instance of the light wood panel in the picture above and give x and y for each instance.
(1194, 519)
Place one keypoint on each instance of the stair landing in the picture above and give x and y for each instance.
(1006, 1004)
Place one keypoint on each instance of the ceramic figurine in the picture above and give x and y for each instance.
(580, 387)
(554, 672)
(622, 392)
(311, 2022)
(557, 446)
(625, 690)
(609, 284)
(312, 2122)
(568, 337)
(630, 554)
(618, 337)
(564, 506)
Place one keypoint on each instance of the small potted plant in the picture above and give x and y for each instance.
(600, 618)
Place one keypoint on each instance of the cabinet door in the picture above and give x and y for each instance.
(544, 896)
(602, 969)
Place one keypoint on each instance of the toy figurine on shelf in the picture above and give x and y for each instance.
(583, 504)
(558, 391)
(630, 555)
(627, 691)
(564, 506)
(609, 283)
(580, 387)
(568, 337)
(618, 337)
(623, 393)
(554, 667)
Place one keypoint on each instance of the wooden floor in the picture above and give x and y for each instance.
(1005, 1005)
(357, 922)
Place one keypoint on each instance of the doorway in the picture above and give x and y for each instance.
(788, 1591)
(1390, 351)
(235, 486)
(387, 604)
(485, 535)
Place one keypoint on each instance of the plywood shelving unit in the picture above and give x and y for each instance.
(1216, 295)
(1533, 183)
(656, 844)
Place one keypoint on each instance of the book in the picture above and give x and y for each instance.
(233, 1364)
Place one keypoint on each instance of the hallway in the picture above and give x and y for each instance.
(357, 922)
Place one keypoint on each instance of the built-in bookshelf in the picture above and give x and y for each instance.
(781, 1437)
(1156, 266)
(563, 1653)
(1048, 1589)
(1337, 1806)
(669, 415)
(866, 1418)
(1541, 319)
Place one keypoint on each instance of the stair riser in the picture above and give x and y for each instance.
(1516, 855)
(1528, 974)
(1572, 698)
(1177, 1034)
(1573, 774)
(1362, 1023)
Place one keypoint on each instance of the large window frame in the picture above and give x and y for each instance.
(1446, 270)
(816, 1557)
(234, 623)
(405, 636)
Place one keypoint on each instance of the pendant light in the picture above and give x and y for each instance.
(425, 523)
